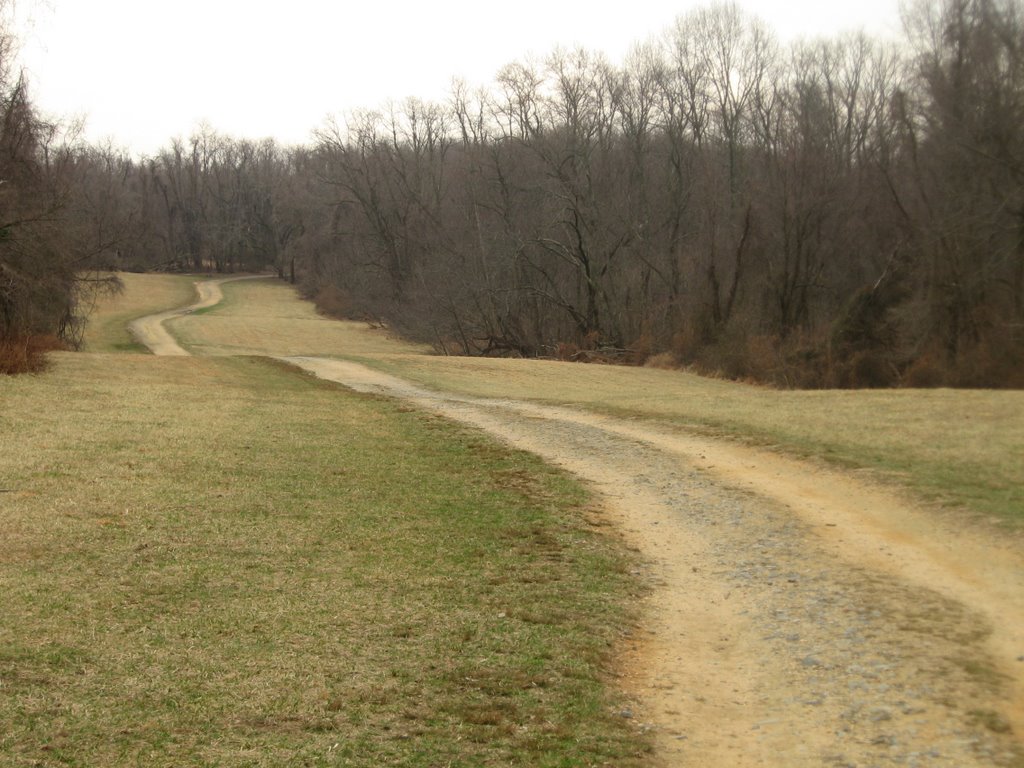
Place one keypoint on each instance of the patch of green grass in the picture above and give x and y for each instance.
(981, 671)
(218, 561)
(131, 347)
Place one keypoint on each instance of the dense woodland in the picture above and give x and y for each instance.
(841, 212)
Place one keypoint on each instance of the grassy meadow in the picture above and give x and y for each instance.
(216, 560)
(220, 561)
(963, 449)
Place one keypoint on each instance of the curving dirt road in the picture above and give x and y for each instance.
(150, 331)
(795, 616)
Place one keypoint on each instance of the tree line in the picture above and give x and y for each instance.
(837, 212)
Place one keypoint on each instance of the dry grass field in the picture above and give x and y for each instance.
(213, 560)
(219, 562)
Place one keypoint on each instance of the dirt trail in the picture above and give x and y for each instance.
(796, 616)
(150, 330)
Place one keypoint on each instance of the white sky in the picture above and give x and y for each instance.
(144, 71)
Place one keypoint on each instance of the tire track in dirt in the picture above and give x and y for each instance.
(796, 616)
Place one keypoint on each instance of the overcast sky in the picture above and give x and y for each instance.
(143, 71)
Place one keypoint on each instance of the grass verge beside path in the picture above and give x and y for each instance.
(219, 561)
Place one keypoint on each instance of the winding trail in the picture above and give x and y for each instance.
(794, 615)
(150, 331)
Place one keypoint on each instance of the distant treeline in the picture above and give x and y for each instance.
(841, 212)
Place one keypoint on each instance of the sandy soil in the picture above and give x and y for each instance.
(794, 615)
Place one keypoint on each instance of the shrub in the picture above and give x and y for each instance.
(331, 301)
(926, 371)
(994, 362)
(26, 354)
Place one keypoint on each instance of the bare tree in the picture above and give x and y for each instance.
(44, 270)
(969, 152)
